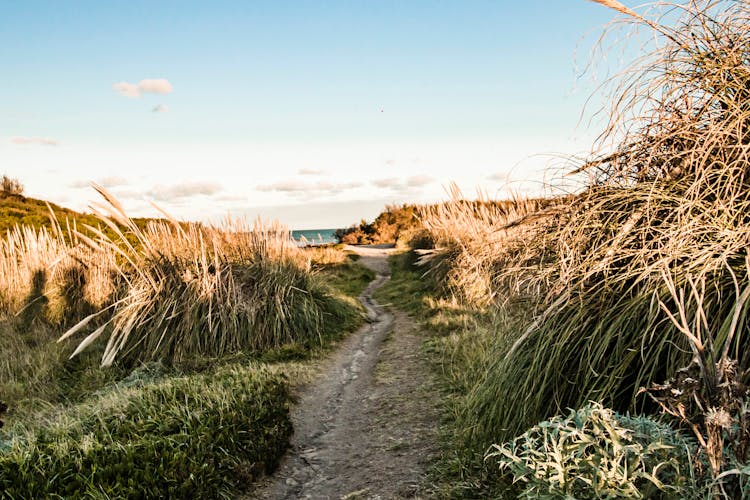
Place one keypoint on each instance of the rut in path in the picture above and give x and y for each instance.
(366, 428)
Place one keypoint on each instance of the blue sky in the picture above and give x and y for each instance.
(317, 113)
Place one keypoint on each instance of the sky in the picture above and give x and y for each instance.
(316, 113)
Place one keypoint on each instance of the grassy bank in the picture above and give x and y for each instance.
(631, 294)
(199, 331)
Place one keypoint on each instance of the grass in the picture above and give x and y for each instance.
(635, 281)
(196, 412)
(204, 435)
(17, 209)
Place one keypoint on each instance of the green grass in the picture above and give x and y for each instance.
(200, 436)
(348, 278)
(17, 209)
(406, 289)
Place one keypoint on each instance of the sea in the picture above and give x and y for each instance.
(314, 236)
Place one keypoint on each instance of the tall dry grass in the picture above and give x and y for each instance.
(668, 190)
(484, 250)
(44, 274)
(170, 291)
(195, 290)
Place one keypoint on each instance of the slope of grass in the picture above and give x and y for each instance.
(16, 209)
(179, 437)
(203, 423)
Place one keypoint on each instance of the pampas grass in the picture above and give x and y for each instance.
(195, 290)
(668, 189)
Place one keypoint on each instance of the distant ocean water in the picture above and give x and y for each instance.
(315, 236)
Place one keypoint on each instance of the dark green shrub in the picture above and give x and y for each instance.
(192, 437)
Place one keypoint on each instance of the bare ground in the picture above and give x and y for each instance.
(366, 428)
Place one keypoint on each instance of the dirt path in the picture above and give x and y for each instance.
(366, 428)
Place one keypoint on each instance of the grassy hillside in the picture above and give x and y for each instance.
(18, 209)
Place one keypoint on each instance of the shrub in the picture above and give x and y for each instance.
(387, 227)
(596, 453)
(192, 437)
(10, 186)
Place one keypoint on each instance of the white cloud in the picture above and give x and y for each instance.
(308, 188)
(405, 185)
(147, 86)
(105, 182)
(113, 181)
(184, 190)
(127, 89)
(310, 171)
(43, 141)
(161, 108)
(419, 180)
(390, 182)
(499, 176)
(155, 86)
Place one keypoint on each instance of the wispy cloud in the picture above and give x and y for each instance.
(147, 86)
(499, 176)
(308, 188)
(106, 182)
(127, 89)
(184, 190)
(310, 171)
(419, 180)
(389, 182)
(161, 108)
(113, 181)
(410, 183)
(42, 141)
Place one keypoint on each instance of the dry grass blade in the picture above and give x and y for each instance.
(612, 4)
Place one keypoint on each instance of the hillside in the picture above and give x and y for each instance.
(17, 209)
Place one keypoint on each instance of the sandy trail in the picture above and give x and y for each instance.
(366, 427)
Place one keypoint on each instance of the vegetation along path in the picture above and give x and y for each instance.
(366, 428)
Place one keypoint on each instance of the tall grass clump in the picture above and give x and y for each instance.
(669, 193)
(48, 282)
(601, 275)
(195, 290)
(482, 250)
(46, 276)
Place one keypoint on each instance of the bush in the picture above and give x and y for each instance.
(9, 185)
(192, 437)
(596, 453)
(386, 228)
